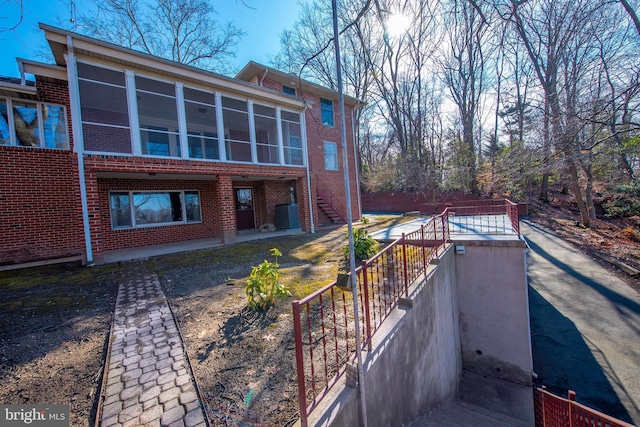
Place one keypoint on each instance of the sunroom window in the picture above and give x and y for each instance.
(105, 115)
(202, 131)
(135, 209)
(235, 115)
(33, 124)
(292, 138)
(158, 117)
(266, 133)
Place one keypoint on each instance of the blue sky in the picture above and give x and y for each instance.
(263, 21)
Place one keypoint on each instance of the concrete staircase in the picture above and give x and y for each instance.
(463, 414)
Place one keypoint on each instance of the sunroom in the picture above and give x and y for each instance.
(127, 112)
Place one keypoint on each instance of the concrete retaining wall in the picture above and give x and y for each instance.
(415, 363)
(494, 309)
(471, 312)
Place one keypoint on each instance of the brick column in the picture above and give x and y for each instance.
(226, 208)
(303, 204)
(95, 215)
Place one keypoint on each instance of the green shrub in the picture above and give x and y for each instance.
(626, 201)
(263, 286)
(364, 246)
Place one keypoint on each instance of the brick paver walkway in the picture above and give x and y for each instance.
(148, 379)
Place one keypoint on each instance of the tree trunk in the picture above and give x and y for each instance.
(577, 193)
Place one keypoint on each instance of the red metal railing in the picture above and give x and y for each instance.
(486, 217)
(555, 411)
(324, 324)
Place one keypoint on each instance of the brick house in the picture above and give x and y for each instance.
(111, 149)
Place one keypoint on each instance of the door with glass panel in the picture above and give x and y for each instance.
(245, 219)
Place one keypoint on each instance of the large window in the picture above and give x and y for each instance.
(326, 109)
(330, 156)
(132, 209)
(105, 115)
(33, 124)
(158, 116)
(266, 133)
(291, 138)
(235, 115)
(202, 131)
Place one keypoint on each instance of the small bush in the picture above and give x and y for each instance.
(364, 246)
(263, 286)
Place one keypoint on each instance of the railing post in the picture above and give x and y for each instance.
(367, 315)
(435, 236)
(302, 393)
(424, 250)
(404, 267)
(572, 398)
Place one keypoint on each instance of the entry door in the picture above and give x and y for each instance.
(244, 209)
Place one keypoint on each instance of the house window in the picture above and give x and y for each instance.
(264, 119)
(158, 115)
(202, 130)
(326, 109)
(136, 209)
(235, 116)
(289, 90)
(33, 124)
(330, 156)
(292, 138)
(104, 109)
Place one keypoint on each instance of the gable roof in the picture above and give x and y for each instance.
(60, 41)
(254, 69)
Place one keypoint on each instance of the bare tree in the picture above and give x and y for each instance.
(464, 74)
(184, 31)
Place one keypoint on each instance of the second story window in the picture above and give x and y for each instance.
(289, 90)
(330, 156)
(326, 110)
(105, 115)
(158, 115)
(33, 124)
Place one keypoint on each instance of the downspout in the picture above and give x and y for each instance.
(266, 70)
(355, 157)
(303, 129)
(78, 143)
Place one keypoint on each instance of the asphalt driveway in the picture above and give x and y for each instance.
(585, 326)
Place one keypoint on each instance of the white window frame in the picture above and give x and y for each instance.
(181, 135)
(335, 153)
(162, 224)
(13, 140)
(322, 109)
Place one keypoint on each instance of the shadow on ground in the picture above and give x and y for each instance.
(563, 360)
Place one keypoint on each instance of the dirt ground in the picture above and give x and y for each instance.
(54, 324)
(54, 320)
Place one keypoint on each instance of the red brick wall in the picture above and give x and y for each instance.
(397, 201)
(40, 211)
(317, 134)
(109, 239)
